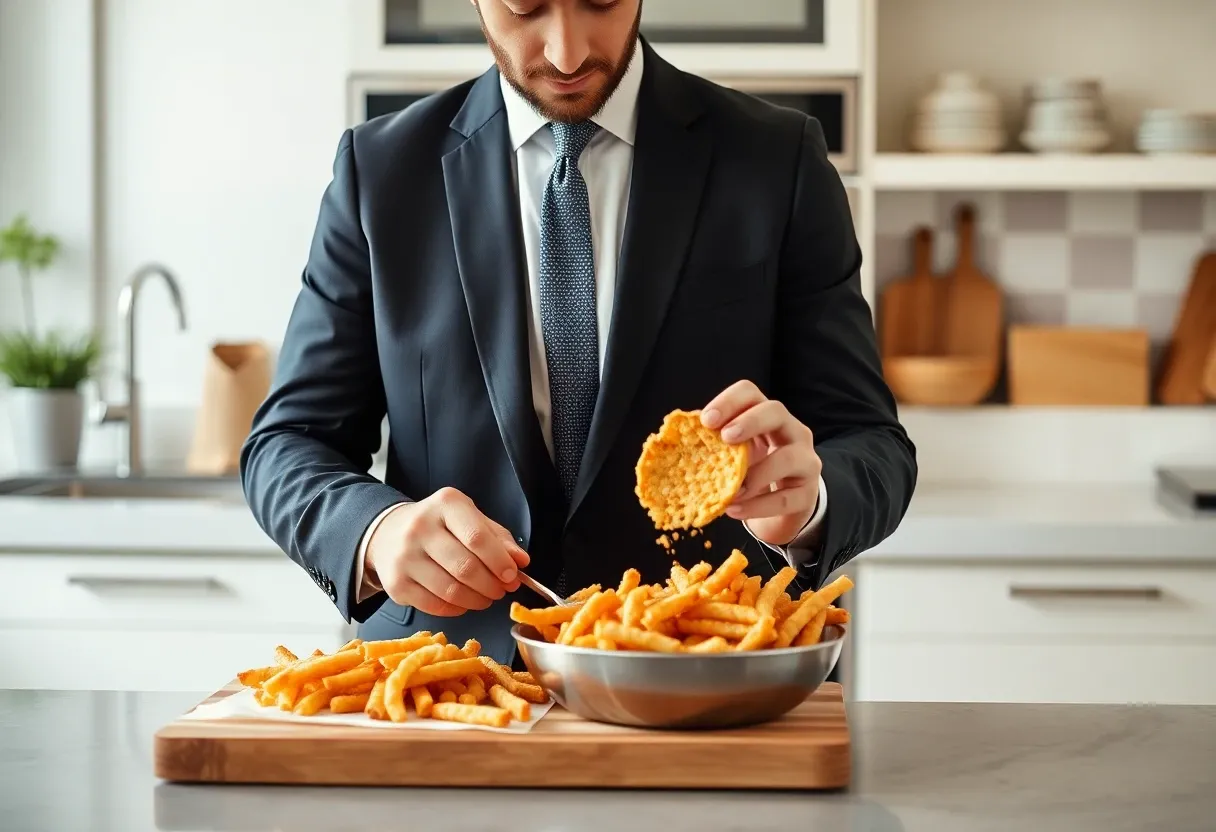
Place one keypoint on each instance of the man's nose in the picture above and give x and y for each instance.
(566, 43)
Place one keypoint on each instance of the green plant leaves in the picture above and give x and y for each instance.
(52, 362)
(22, 244)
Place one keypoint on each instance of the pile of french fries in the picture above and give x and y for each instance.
(442, 680)
(699, 610)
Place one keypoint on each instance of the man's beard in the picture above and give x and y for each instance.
(569, 107)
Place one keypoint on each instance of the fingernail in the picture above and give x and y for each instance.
(731, 433)
(734, 511)
(710, 418)
(508, 575)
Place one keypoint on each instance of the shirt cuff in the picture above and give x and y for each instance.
(799, 551)
(366, 585)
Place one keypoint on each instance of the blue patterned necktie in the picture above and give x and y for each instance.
(567, 301)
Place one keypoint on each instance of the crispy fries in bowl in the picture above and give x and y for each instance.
(711, 649)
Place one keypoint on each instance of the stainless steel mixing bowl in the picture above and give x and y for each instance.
(678, 690)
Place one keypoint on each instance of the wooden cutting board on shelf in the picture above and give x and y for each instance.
(973, 306)
(1209, 373)
(1183, 365)
(1080, 367)
(909, 320)
(806, 749)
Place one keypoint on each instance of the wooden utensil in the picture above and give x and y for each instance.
(940, 380)
(1078, 366)
(973, 313)
(910, 320)
(808, 748)
(1209, 373)
(1182, 366)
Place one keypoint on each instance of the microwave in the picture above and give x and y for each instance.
(755, 38)
(833, 101)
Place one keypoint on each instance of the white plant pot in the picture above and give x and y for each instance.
(46, 427)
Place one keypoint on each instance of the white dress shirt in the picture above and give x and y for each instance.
(607, 166)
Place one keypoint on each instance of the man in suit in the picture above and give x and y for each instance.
(525, 273)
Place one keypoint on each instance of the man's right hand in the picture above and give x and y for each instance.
(443, 556)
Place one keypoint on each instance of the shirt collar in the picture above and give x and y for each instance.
(619, 115)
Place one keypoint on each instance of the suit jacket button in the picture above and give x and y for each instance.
(519, 539)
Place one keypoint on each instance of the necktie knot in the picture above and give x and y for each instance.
(571, 139)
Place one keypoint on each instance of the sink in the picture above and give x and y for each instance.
(148, 487)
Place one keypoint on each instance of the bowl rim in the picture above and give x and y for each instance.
(824, 644)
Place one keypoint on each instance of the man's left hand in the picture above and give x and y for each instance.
(781, 490)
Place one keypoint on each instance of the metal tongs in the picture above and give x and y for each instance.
(544, 591)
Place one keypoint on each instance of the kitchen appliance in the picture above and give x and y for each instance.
(807, 749)
(822, 37)
(1191, 490)
(831, 100)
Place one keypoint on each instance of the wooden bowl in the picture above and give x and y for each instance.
(941, 381)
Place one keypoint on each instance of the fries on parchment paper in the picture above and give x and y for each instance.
(699, 610)
(443, 681)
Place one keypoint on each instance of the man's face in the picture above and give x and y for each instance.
(565, 57)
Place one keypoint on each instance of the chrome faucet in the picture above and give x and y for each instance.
(129, 411)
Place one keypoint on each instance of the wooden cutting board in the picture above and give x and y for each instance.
(806, 749)
(909, 323)
(974, 310)
(1209, 373)
(1078, 366)
(1182, 366)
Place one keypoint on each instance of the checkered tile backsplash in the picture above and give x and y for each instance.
(1094, 258)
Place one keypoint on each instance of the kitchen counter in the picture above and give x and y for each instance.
(1053, 521)
(949, 520)
(83, 761)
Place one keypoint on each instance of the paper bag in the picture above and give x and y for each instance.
(236, 380)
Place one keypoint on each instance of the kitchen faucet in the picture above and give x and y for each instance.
(129, 411)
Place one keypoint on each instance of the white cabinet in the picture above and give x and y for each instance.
(1034, 632)
(154, 622)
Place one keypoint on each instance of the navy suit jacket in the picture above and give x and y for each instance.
(739, 262)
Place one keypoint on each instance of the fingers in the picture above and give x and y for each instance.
(409, 593)
(433, 570)
(767, 418)
(483, 537)
(793, 497)
(788, 462)
(513, 549)
(728, 404)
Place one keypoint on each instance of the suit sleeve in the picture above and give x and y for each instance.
(827, 369)
(304, 466)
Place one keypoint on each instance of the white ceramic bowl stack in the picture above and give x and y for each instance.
(1065, 115)
(1176, 131)
(958, 116)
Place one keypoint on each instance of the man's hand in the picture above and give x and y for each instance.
(781, 490)
(444, 557)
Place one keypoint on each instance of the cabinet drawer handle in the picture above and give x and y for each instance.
(1142, 593)
(103, 583)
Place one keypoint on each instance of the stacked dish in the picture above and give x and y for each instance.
(958, 116)
(1176, 131)
(1065, 115)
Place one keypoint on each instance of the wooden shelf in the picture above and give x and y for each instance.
(1025, 171)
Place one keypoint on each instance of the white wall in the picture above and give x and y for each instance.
(46, 167)
(222, 118)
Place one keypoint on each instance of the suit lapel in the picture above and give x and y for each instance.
(486, 230)
(670, 165)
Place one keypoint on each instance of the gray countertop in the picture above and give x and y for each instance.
(82, 762)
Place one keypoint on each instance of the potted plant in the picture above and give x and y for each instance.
(45, 405)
